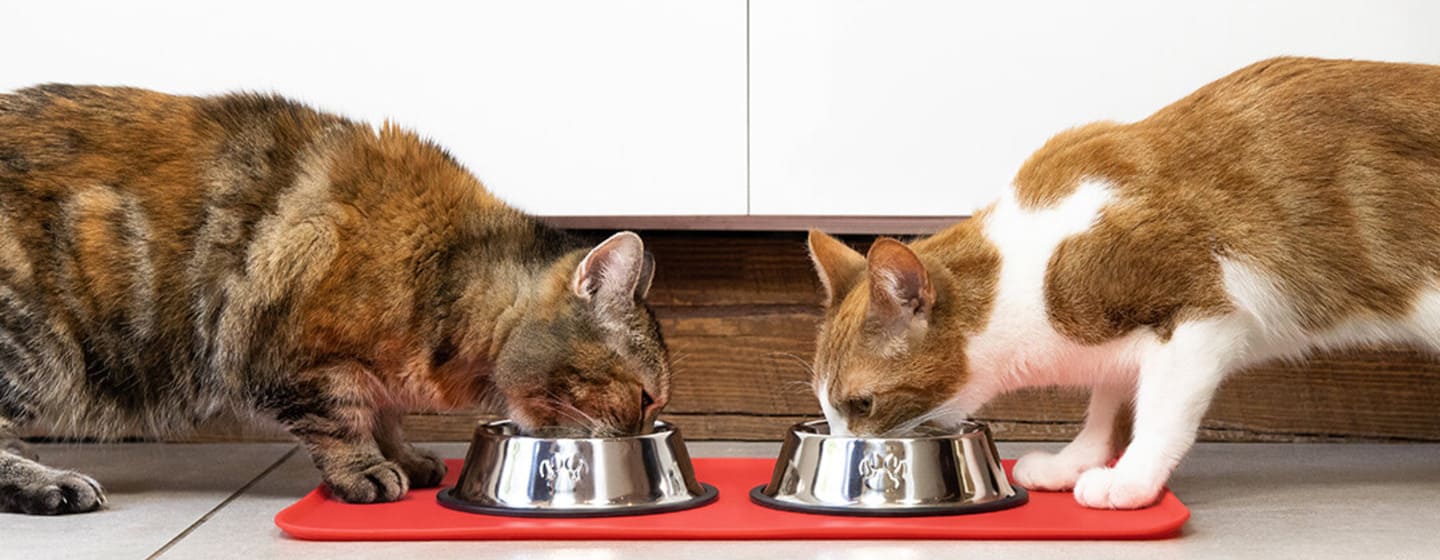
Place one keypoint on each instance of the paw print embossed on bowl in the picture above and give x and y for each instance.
(563, 472)
(931, 473)
(883, 471)
(507, 473)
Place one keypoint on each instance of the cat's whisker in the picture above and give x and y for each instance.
(914, 423)
(569, 415)
(802, 362)
(595, 424)
(807, 384)
(777, 398)
(675, 370)
(799, 384)
(678, 358)
(584, 418)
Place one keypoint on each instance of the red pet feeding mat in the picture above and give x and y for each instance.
(1048, 515)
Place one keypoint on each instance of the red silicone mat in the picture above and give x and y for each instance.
(1048, 515)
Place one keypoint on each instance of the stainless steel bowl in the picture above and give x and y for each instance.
(506, 473)
(930, 474)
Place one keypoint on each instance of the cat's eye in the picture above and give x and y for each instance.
(646, 400)
(861, 406)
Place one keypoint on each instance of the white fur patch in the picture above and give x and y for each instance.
(1276, 331)
(1026, 240)
(1019, 347)
(838, 425)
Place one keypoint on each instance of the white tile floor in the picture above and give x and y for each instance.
(1248, 500)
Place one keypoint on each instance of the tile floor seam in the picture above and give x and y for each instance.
(234, 495)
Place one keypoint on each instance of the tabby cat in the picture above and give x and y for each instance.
(1293, 205)
(166, 259)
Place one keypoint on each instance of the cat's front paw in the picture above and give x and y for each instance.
(1039, 470)
(382, 482)
(424, 467)
(55, 492)
(1109, 488)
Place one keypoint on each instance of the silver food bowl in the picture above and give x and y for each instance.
(932, 473)
(507, 473)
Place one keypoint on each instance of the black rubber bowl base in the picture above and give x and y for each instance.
(758, 496)
(450, 501)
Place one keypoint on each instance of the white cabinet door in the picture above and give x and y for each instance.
(561, 107)
(905, 107)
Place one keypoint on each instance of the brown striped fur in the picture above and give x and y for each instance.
(166, 259)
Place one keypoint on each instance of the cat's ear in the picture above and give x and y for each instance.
(900, 288)
(647, 275)
(617, 271)
(838, 266)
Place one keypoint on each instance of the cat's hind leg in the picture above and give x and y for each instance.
(1178, 379)
(1106, 430)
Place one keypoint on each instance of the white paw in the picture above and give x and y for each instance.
(1107, 488)
(1039, 470)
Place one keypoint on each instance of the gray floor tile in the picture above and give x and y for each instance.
(156, 491)
(245, 527)
(1248, 500)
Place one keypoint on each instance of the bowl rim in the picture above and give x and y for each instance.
(491, 430)
(807, 430)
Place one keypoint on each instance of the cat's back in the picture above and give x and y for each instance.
(1320, 177)
(1279, 91)
(161, 254)
(94, 183)
(1279, 116)
(124, 180)
(127, 218)
(148, 143)
(54, 136)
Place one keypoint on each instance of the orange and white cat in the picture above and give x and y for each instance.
(1293, 205)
